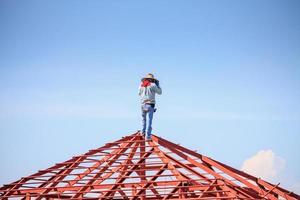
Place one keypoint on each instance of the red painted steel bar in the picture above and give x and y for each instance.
(131, 168)
(211, 163)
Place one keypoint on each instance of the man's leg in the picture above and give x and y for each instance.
(144, 115)
(150, 117)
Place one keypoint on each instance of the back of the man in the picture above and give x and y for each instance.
(147, 90)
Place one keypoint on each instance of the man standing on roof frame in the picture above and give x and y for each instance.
(147, 90)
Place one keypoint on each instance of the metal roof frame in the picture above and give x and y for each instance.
(132, 168)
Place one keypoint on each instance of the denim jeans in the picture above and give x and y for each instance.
(147, 110)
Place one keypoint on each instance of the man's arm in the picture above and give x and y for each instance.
(158, 88)
(140, 90)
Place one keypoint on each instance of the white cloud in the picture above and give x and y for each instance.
(267, 165)
(264, 164)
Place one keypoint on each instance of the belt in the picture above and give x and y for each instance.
(151, 104)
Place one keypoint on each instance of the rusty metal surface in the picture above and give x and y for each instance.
(132, 168)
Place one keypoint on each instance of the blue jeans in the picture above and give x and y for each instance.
(147, 110)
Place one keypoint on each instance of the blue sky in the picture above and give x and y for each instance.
(229, 70)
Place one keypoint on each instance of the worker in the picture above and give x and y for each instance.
(147, 90)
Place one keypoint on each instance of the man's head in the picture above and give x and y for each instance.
(149, 77)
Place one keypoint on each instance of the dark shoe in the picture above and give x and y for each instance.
(143, 133)
(148, 138)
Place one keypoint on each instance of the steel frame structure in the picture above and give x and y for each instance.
(132, 168)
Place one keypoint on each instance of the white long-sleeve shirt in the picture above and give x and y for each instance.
(147, 94)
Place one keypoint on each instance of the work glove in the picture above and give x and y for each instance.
(157, 83)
